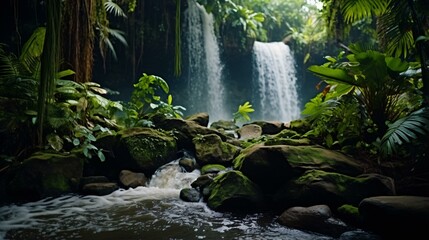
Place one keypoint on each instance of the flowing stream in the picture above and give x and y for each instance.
(274, 82)
(151, 212)
(204, 73)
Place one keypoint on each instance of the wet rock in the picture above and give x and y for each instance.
(203, 181)
(335, 189)
(395, 217)
(146, 149)
(316, 218)
(189, 164)
(99, 189)
(359, 235)
(190, 195)
(92, 179)
(232, 191)
(131, 179)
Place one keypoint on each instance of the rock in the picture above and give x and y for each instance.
(186, 130)
(334, 189)
(358, 235)
(45, 174)
(316, 218)
(300, 126)
(203, 181)
(225, 125)
(190, 195)
(212, 168)
(249, 131)
(99, 189)
(266, 166)
(349, 214)
(269, 127)
(211, 149)
(201, 119)
(189, 164)
(92, 179)
(272, 166)
(232, 191)
(288, 141)
(131, 179)
(145, 149)
(287, 133)
(395, 217)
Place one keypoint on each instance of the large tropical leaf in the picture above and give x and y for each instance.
(336, 75)
(405, 130)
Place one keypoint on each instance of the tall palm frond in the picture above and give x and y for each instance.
(32, 51)
(405, 130)
(354, 10)
(394, 28)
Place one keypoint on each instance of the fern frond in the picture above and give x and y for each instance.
(405, 130)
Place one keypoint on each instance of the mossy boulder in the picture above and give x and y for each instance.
(349, 214)
(185, 131)
(232, 191)
(266, 166)
(300, 125)
(200, 118)
(315, 157)
(145, 149)
(272, 166)
(210, 149)
(287, 133)
(45, 174)
(287, 141)
(224, 124)
(335, 189)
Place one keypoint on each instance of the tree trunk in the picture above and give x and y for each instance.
(78, 38)
(49, 62)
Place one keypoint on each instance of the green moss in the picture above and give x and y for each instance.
(56, 183)
(146, 145)
(231, 185)
(287, 141)
(238, 161)
(287, 133)
(349, 210)
(212, 168)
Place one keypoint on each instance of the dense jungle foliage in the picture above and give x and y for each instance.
(374, 85)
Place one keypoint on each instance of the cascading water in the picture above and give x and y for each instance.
(204, 75)
(151, 212)
(274, 82)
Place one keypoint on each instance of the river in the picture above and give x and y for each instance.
(151, 212)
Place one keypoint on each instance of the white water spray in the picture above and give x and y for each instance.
(205, 88)
(275, 80)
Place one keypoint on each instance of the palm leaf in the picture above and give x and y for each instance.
(354, 10)
(405, 130)
(114, 8)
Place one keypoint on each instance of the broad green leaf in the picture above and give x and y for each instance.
(396, 64)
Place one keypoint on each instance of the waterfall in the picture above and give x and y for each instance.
(205, 91)
(274, 82)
